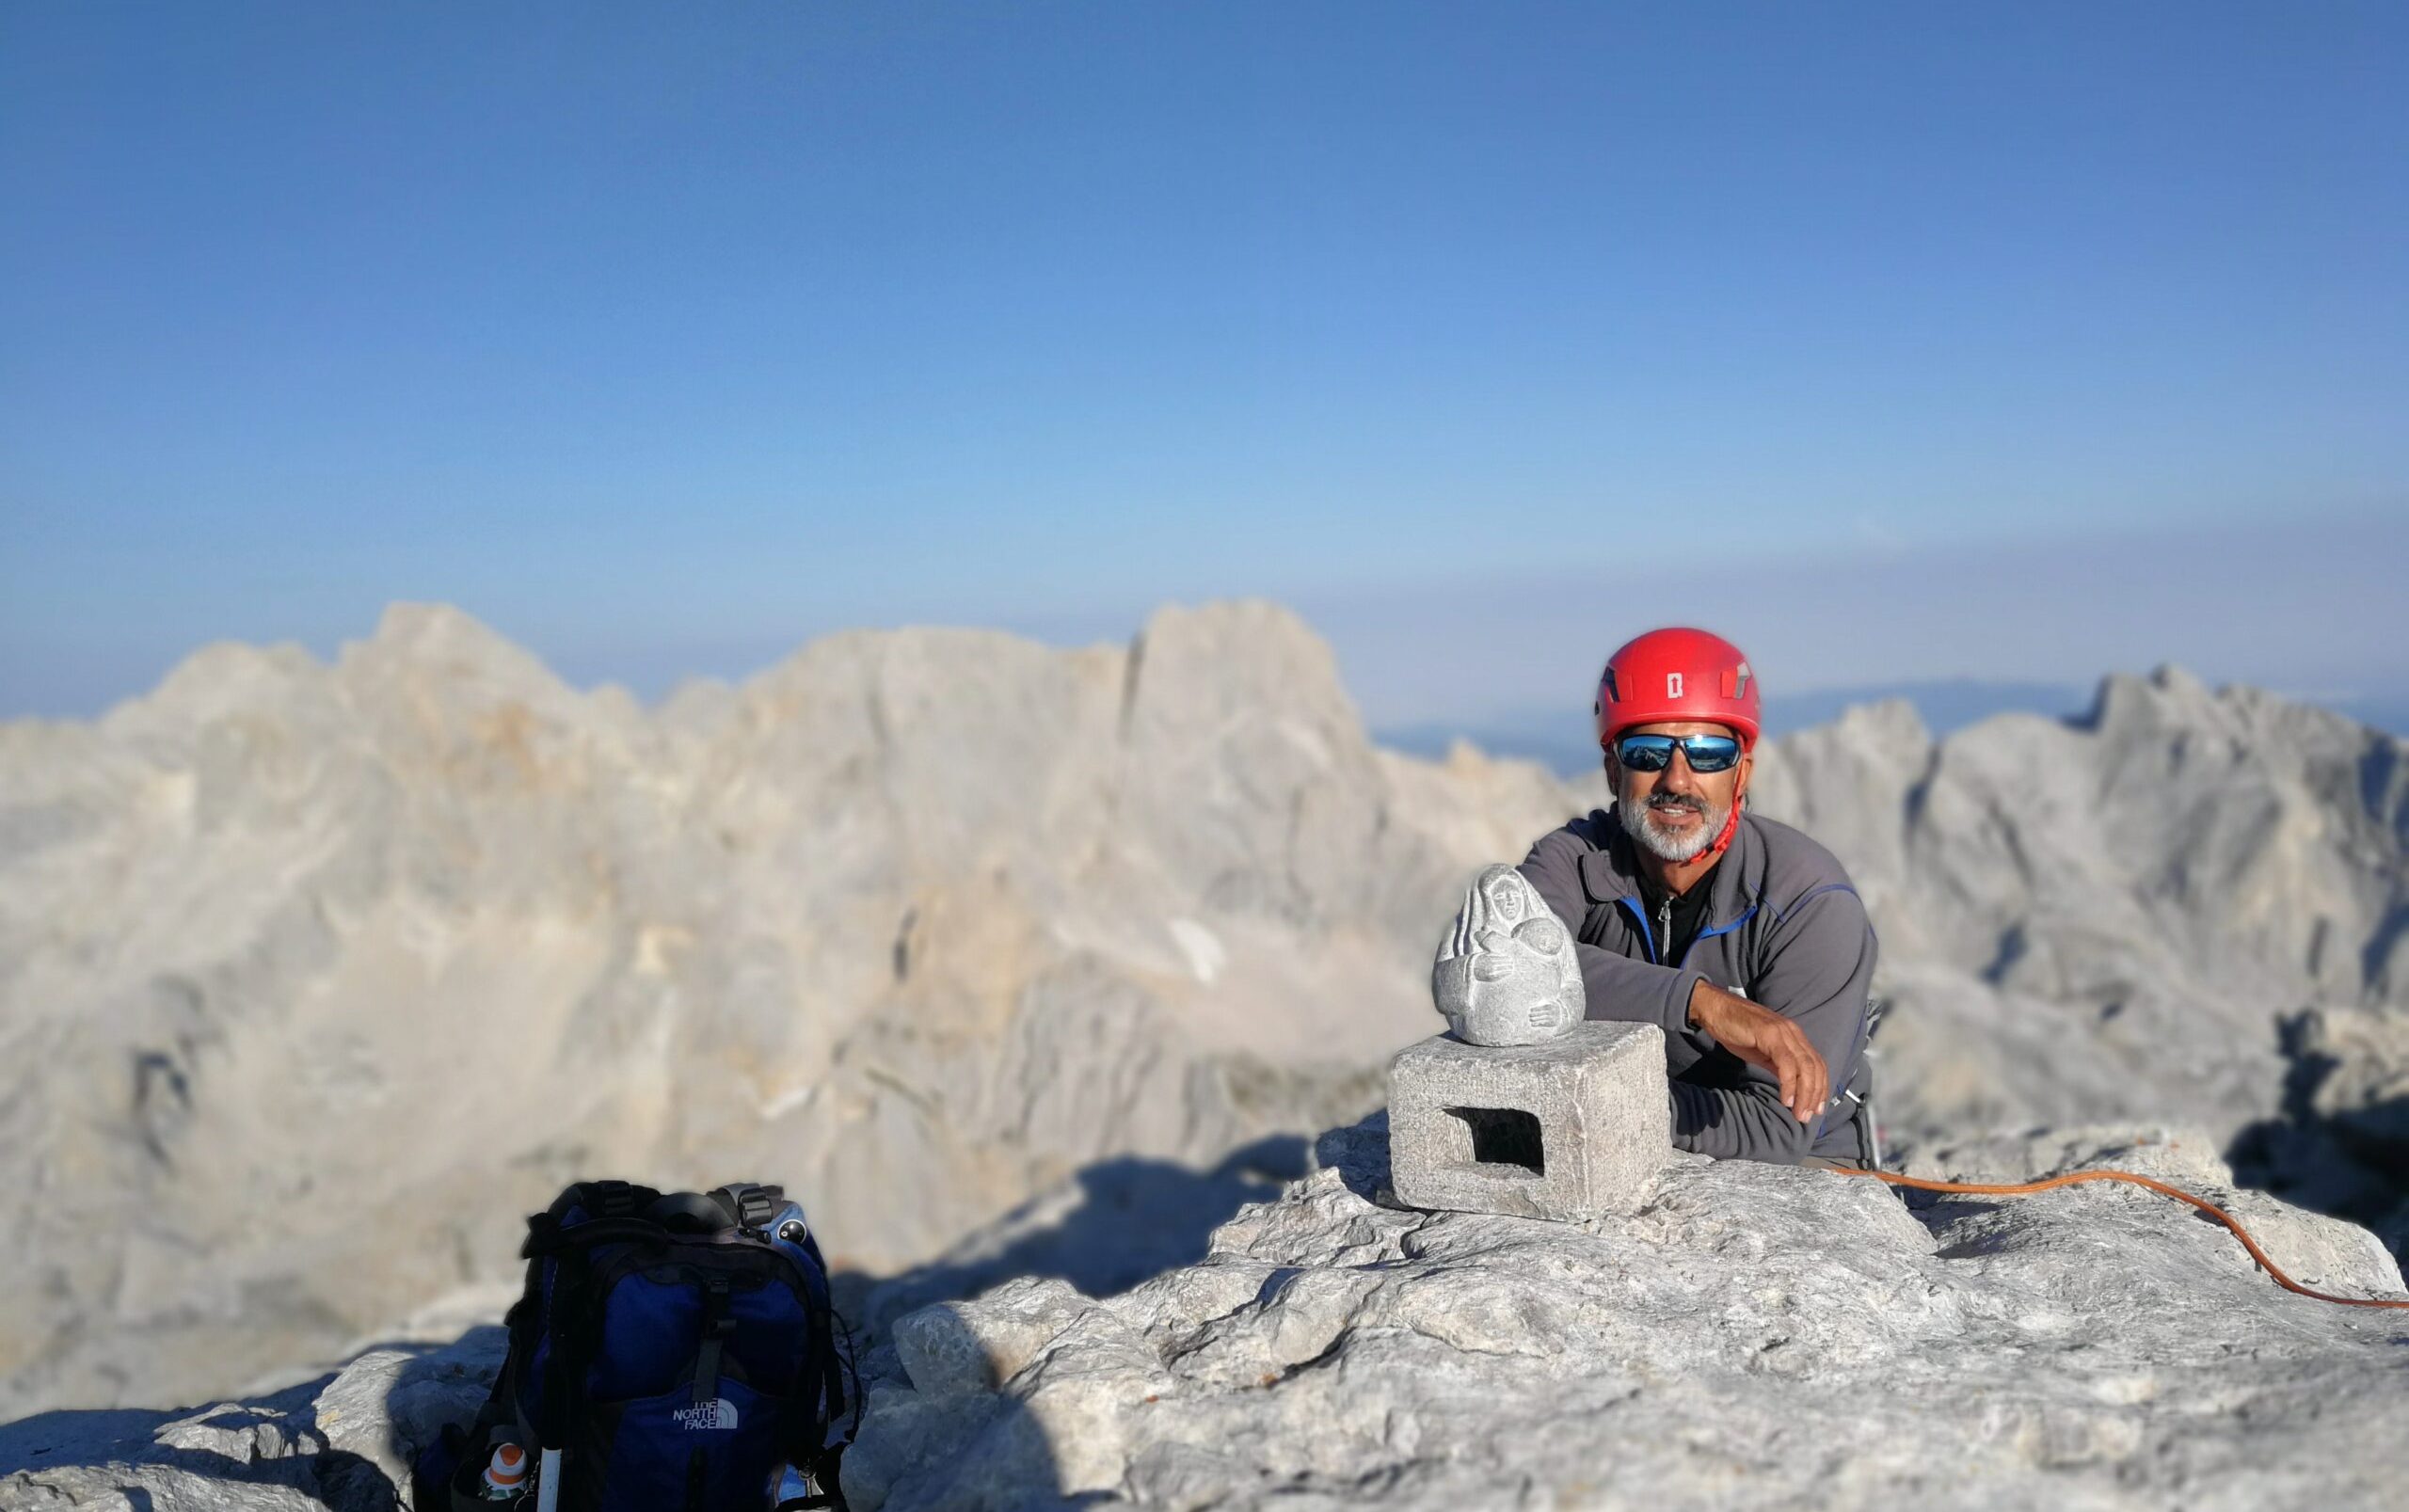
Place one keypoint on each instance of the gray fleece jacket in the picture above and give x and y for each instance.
(1783, 925)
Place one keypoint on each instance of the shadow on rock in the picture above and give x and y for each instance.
(968, 1437)
(68, 1437)
(342, 1441)
(952, 1427)
(995, 1380)
(1115, 1224)
(1359, 1152)
(142, 1459)
(2340, 1145)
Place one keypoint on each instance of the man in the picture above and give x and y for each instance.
(1740, 937)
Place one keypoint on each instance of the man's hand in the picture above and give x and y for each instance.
(1764, 1039)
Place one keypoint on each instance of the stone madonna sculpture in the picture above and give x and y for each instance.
(1507, 974)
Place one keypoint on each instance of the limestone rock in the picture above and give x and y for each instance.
(1751, 1331)
(2110, 918)
(2340, 1143)
(316, 978)
(344, 1441)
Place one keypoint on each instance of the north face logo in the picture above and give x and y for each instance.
(716, 1413)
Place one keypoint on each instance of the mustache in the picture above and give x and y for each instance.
(1674, 801)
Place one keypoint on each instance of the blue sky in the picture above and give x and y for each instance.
(2021, 341)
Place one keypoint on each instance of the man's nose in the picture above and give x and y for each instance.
(1677, 776)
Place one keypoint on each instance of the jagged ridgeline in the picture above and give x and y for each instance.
(316, 978)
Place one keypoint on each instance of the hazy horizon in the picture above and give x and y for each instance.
(1555, 732)
(1902, 344)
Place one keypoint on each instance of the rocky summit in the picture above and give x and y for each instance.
(1753, 1336)
(1024, 967)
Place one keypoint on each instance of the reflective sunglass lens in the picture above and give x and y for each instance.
(1655, 752)
(1645, 752)
(1712, 754)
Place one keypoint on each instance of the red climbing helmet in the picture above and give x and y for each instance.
(1677, 674)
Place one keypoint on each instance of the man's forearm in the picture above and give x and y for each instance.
(1736, 1123)
(1767, 1041)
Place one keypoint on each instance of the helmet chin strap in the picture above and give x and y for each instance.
(1731, 828)
(1731, 821)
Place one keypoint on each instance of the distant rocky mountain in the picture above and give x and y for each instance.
(316, 978)
(1559, 739)
(2112, 916)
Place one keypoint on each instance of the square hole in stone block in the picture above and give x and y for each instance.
(1503, 1137)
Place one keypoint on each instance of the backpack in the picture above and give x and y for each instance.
(677, 1351)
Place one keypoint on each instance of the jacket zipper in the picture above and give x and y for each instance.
(1665, 928)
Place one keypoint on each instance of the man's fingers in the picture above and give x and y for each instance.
(1765, 1039)
(1788, 1070)
(1815, 1087)
(1812, 1084)
(1805, 1083)
(1803, 1107)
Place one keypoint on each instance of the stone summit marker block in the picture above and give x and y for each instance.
(1572, 1127)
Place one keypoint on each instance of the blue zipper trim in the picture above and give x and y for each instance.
(1745, 914)
(1800, 901)
(1645, 937)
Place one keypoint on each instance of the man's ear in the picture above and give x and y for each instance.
(1747, 764)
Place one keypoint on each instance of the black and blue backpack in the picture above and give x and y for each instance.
(678, 1351)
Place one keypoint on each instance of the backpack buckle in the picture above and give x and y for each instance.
(612, 1199)
(750, 1203)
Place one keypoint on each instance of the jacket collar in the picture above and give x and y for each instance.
(1611, 872)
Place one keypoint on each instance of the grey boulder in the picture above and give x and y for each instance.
(1753, 1336)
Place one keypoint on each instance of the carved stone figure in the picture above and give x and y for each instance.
(1506, 973)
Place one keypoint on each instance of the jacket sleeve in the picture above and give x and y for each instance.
(1617, 986)
(1820, 964)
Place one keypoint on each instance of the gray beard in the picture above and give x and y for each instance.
(1663, 843)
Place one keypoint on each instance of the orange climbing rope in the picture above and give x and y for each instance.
(2071, 1177)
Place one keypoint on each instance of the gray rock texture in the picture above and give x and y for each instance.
(2187, 906)
(315, 977)
(1753, 1336)
(2342, 1141)
(343, 1443)
(314, 980)
(1573, 1127)
(2107, 918)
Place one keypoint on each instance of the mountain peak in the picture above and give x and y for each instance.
(414, 642)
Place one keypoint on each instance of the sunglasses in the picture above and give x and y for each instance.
(1655, 752)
